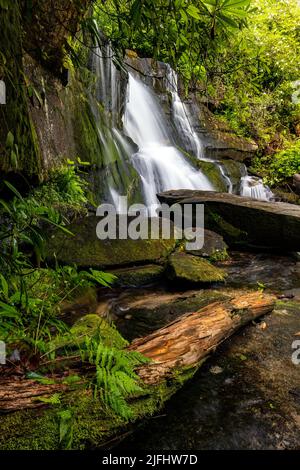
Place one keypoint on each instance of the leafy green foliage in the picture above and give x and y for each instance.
(279, 168)
(116, 379)
(180, 32)
(65, 186)
(30, 298)
(52, 400)
(252, 78)
(66, 428)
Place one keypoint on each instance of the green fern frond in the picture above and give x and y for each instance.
(115, 379)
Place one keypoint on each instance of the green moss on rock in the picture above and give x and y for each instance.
(210, 169)
(190, 268)
(138, 275)
(85, 250)
(229, 231)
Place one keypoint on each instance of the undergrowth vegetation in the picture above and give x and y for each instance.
(31, 296)
(278, 169)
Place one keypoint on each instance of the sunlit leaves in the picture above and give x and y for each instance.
(193, 11)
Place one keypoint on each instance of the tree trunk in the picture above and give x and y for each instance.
(182, 345)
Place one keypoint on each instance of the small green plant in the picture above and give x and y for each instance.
(65, 186)
(66, 428)
(261, 286)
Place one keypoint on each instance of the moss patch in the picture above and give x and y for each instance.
(92, 425)
(193, 269)
(138, 275)
(85, 250)
(229, 231)
(19, 152)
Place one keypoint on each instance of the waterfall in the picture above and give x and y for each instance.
(226, 178)
(159, 163)
(250, 186)
(253, 187)
(144, 154)
(108, 90)
(181, 117)
(182, 121)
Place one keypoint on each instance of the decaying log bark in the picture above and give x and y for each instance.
(17, 393)
(188, 340)
(183, 344)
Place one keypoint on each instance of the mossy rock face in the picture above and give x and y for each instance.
(85, 250)
(188, 268)
(212, 171)
(214, 247)
(235, 171)
(92, 325)
(138, 276)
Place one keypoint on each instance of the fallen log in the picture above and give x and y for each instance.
(188, 340)
(181, 345)
(17, 393)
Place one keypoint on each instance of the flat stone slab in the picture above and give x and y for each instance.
(243, 220)
(137, 276)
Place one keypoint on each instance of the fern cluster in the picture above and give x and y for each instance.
(115, 378)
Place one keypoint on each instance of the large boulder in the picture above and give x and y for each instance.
(296, 183)
(214, 247)
(85, 250)
(245, 221)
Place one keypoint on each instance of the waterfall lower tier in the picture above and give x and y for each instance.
(163, 168)
(253, 187)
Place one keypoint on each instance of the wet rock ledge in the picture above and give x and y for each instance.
(245, 221)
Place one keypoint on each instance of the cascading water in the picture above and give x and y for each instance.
(180, 116)
(158, 163)
(161, 166)
(108, 90)
(252, 186)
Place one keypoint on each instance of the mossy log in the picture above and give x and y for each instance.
(180, 346)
